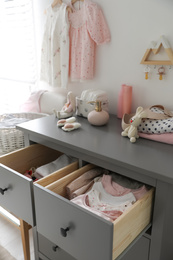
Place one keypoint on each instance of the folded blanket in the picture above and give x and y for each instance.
(163, 138)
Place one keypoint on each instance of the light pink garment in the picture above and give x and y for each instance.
(163, 138)
(82, 183)
(115, 189)
(82, 201)
(87, 28)
(103, 204)
(81, 190)
(33, 102)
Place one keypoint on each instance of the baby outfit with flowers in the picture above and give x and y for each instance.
(69, 43)
(98, 201)
(88, 27)
(55, 47)
(110, 194)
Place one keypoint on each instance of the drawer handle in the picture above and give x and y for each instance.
(54, 248)
(64, 231)
(3, 190)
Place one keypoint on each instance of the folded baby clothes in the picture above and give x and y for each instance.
(125, 181)
(59, 163)
(73, 188)
(115, 189)
(103, 204)
(163, 138)
(85, 188)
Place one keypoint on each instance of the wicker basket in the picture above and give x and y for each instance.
(11, 138)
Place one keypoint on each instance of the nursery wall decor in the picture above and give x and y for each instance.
(155, 48)
(161, 72)
(146, 71)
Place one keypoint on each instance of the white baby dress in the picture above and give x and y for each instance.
(55, 47)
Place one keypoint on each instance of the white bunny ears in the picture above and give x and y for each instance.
(132, 131)
(140, 112)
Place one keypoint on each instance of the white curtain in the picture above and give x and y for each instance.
(18, 74)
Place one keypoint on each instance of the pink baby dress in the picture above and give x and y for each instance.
(88, 27)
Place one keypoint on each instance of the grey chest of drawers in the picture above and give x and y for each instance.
(146, 161)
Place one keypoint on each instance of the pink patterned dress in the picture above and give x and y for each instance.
(88, 28)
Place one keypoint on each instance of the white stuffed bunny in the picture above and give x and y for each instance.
(68, 109)
(132, 131)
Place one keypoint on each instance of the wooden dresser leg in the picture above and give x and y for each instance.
(24, 229)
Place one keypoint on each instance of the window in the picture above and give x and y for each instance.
(18, 74)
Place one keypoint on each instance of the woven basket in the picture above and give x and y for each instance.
(11, 138)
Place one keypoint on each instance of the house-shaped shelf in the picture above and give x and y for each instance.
(155, 48)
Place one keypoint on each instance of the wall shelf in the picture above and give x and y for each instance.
(155, 48)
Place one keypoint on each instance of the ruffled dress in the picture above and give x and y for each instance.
(88, 28)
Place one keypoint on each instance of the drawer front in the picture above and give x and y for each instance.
(89, 236)
(17, 199)
(51, 250)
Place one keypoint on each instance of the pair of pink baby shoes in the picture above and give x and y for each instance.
(68, 124)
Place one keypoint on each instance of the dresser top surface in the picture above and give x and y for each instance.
(106, 143)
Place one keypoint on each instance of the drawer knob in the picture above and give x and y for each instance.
(55, 248)
(3, 190)
(64, 231)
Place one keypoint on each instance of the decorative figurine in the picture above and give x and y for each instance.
(132, 131)
(68, 109)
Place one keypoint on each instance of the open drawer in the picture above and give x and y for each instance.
(16, 189)
(81, 233)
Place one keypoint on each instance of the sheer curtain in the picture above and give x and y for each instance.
(18, 73)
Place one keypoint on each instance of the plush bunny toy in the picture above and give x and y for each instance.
(132, 131)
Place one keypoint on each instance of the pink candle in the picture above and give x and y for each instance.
(127, 99)
(124, 100)
(120, 102)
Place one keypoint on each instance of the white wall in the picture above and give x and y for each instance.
(133, 25)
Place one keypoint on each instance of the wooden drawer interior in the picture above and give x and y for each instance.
(126, 227)
(54, 177)
(35, 155)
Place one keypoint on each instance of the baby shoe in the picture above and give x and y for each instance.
(71, 126)
(62, 122)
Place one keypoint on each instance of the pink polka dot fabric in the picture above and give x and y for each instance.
(88, 28)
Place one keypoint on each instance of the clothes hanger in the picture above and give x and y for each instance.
(55, 2)
(74, 1)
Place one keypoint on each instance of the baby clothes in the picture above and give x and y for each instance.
(103, 204)
(125, 181)
(115, 189)
(156, 126)
(81, 184)
(55, 47)
(57, 164)
(87, 28)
